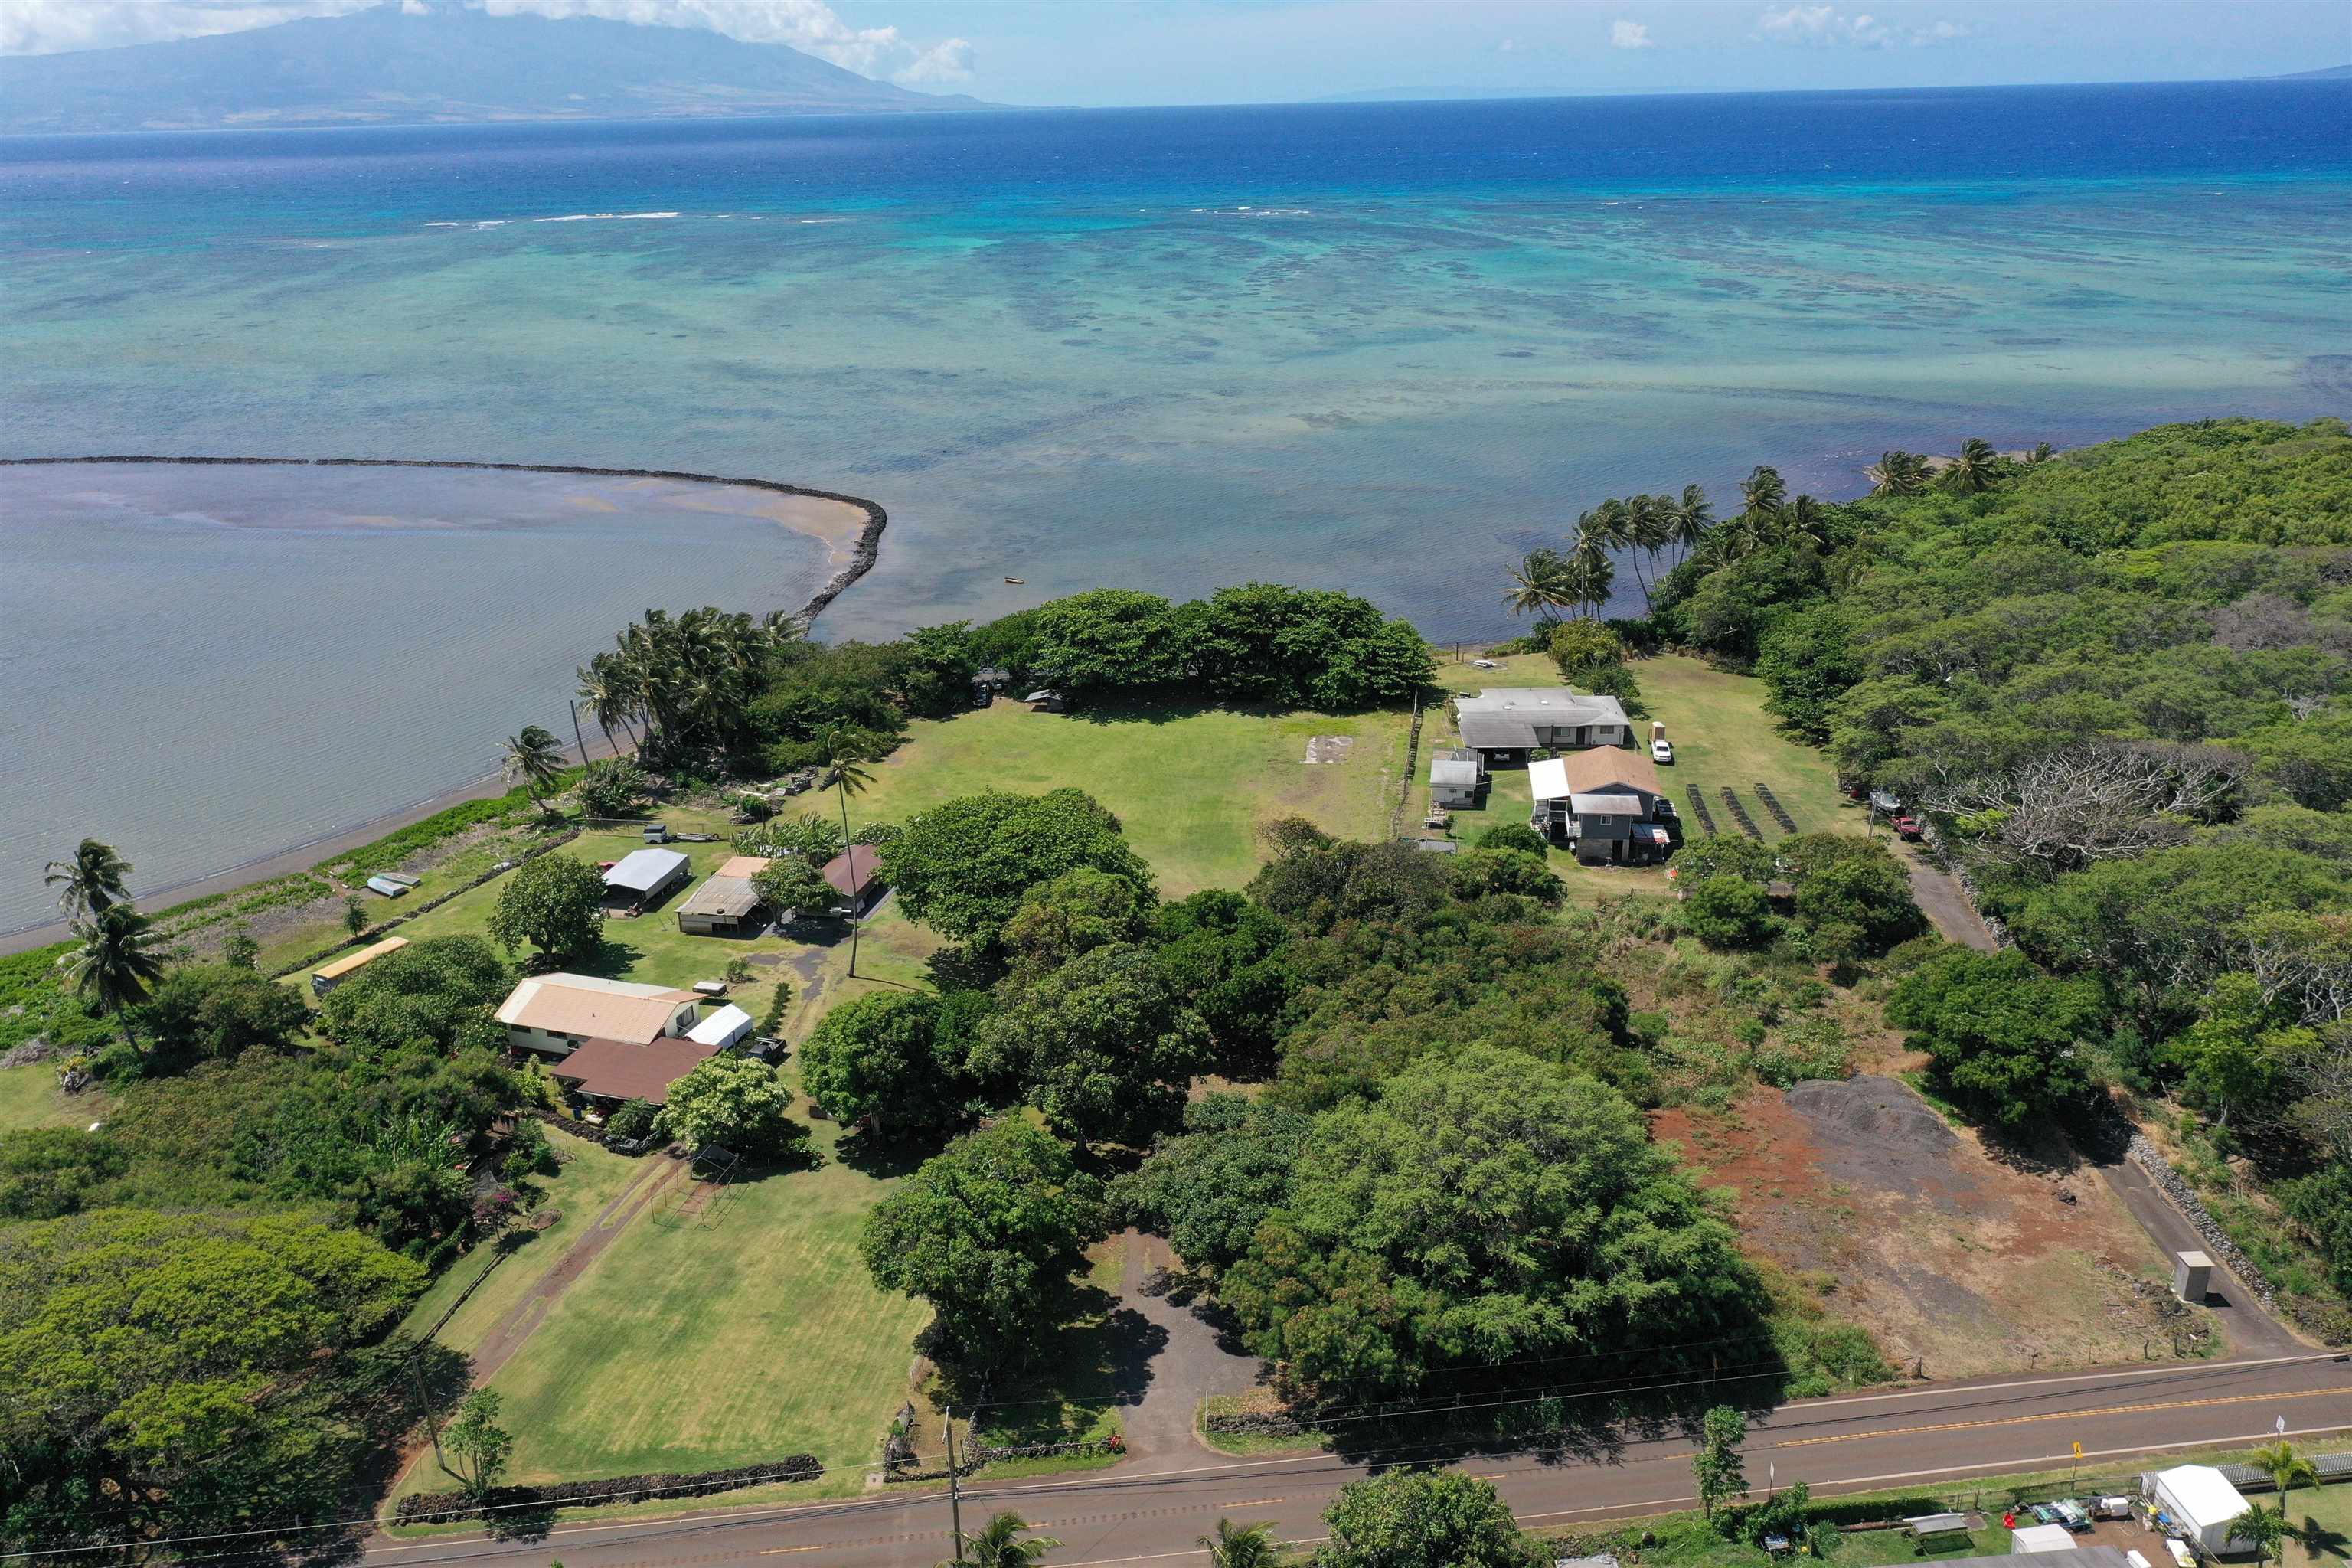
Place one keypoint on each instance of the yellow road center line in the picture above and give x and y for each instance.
(787, 1551)
(2064, 1415)
(1252, 1502)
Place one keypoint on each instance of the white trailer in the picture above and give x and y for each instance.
(2198, 1504)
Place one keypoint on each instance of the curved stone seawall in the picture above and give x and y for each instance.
(863, 554)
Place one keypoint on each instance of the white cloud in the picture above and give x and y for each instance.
(45, 26)
(1630, 35)
(1507, 47)
(1826, 24)
(949, 61)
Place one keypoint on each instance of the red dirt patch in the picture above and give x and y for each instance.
(1961, 1264)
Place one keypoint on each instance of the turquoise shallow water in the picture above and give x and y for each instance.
(1383, 347)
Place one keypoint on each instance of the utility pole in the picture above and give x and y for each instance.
(955, 1489)
(431, 1423)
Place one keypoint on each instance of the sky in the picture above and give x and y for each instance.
(1105, 52)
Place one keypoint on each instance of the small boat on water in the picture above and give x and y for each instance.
(1016, 582)
(403, 878)
(386, 886)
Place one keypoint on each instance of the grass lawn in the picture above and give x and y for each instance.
(30, 1098)
(688, 1346)
(591, 1177)
(2324, 1517)
(1722, 738)
(1191, 787)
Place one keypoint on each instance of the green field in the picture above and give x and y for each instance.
(30, 1098)
(691, 1345)
(1191, 787)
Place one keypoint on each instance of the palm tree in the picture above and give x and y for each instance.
(2042, 452)
(2266, 1530)
(1691, 519)
(1589, 573)
(1801, 519)
(2287, 1469)
(116, 962)
(1897, 473)
(92, 879)
(1243, 1546)
(850, 776)
(1539, 584)
(604, 693)
(1975, 471)
(1652, 527)
(534, 760)
(997, 1544)
(1602, 532)
(1762, 491)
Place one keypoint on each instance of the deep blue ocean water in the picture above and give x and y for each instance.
(1382, 346)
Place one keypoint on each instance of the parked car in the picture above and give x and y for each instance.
(1483, 664)
(1662, 751)
(1908, 829)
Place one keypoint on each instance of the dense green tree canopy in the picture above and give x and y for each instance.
(162, 1366)
(962, 868)
(201, 1012)
(1104, 1045)
(898, 1059)
(1208, 1189)
(439, 990)
(1423, 1519)
(988, 1232)
(2002, 1035)
(1486, 1208)
(736, 1103)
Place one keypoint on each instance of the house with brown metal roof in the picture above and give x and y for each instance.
(856, 875)
(554, 1015)
(1607, 802)
(609, 1073)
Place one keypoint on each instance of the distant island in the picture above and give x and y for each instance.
(419, 64)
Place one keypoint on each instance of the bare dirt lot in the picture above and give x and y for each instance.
(1961, 1263)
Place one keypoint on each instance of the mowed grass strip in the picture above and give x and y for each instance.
(592, 1176)
(1191, 788)
(689, 1347)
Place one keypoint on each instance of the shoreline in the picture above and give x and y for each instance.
(864, 552)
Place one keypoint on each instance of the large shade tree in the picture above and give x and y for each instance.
(962, 868)
(988, 1232)
(1486, 1208)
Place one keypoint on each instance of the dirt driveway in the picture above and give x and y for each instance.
(1960, 1262)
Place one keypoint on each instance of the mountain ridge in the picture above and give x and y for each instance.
(419, 65)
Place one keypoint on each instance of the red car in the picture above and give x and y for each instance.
(1907, 828)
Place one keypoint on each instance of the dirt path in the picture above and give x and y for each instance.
(1946, 904)
(659, 1173)
(1188, 1367)
(2248, 1328)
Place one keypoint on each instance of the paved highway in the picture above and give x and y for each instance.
(1930, 1433)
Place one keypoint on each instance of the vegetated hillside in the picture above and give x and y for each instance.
(2120, 680)
(398, 64)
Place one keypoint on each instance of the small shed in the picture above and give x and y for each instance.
(722, 906)
(722, 1028)
(327, 978)
(856, 875)
(1454, 777)
(2200, 1502)
(2040, 1538)
(1046, 699)
(643, 876)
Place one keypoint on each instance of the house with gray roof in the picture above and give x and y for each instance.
(1503, 724)
(1453, 779)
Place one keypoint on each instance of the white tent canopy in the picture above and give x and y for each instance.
(2201, 1501)
(722, 1028)
(1549, 778)
(2041, 1538)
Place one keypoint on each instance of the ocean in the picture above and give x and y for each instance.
(1387, 347)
